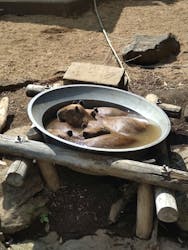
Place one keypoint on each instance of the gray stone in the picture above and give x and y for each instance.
(94, 74)
(182, 202)
(19, 206)
(149, 50)
(102, 241)
(18, 131)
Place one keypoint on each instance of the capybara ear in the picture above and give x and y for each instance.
(59, 117)
(96, 110)
(84, 125)
(81, 103)
(93, 114)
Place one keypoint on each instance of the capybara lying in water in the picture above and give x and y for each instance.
(112, 140)
(102, 127)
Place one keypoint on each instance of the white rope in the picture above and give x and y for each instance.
(108, 40)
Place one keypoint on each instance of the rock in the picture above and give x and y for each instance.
(21, 131)
(24, 246)
(2, 247)
(166, 244)
(182, 202)
(19, 206)
(94, 74)
(185, 113)
(149, 50)
(101, 240)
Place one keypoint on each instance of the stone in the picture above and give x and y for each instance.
(150, 50)
(21, 131)
(2, 247)
(19, 206)
(101, 240)
(94, 74)
(182, 202)
(185, 113)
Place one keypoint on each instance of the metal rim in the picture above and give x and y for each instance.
(83, 147)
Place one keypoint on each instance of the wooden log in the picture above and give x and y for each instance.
(165, 202)
(34, 89)
(17, 172)
(144, 220)
(172, 110)
(49, 174)
(185, 113)
(96, 164)
(4, 103)
(117, 207)
(166, 206)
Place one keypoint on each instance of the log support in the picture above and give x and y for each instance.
(144, 219)
(49, 174)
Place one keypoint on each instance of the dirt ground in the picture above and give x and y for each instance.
(35, 48)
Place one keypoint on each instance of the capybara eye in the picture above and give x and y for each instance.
(85, 135)
(69, 133)
(93, 114)
(96, 110)
(84, 125)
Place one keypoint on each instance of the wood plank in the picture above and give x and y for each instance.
(97, 164)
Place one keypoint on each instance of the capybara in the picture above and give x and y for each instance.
(109, 111)
(113, 140)
(125, 125)
(75, 115)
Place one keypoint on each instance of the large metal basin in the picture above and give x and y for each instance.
(43, 107)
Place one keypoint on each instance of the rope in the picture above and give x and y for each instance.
(108, 40)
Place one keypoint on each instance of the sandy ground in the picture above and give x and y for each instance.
(36, 47)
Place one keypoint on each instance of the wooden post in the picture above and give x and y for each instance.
(128, 192)
(165, 201)
(49, 174)
(17, 172)
(171, 109)
(144, 220)
(96, 164)
(4, 103)
(166, 207)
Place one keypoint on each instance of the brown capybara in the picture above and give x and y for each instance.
(75, 115)
(109, 111)
(113, 140)
(63, 129)
(125, 125)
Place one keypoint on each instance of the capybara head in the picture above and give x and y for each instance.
(74, 114)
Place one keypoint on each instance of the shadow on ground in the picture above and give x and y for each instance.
(110, 11)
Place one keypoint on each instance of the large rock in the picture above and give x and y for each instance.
(149, 50)
(101, 240)
(19, 206)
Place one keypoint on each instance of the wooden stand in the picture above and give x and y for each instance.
(17, 172)
(49, 174)
(165, 201)
(96, 164)
(144, 221)
(166, 207)
(4, 103)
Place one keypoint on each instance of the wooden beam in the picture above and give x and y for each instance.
(96, 164)
(144, 220)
